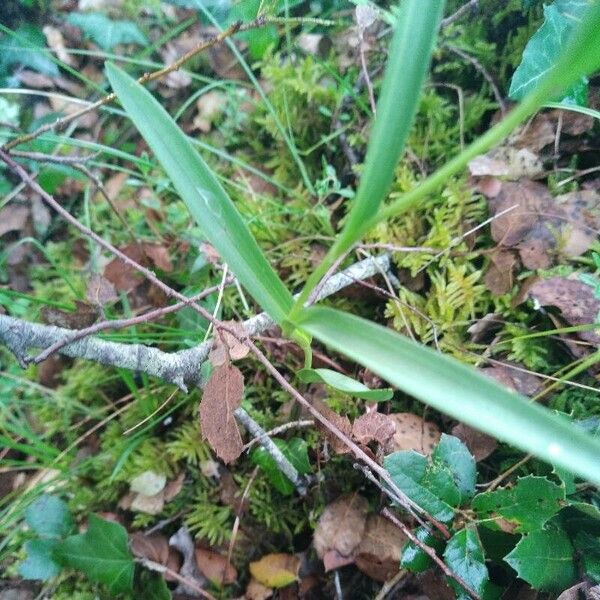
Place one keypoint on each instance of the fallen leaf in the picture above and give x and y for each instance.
(49, 371)
(100, 291)
(499, 275)
(413, 433)
(148, 483)
(150, 505)
(215, 567)
(224, 62)
(380, 550)
(83, 316)
(113, 186)
(121, 275)
(156, 548)
(257, 591)
(507, 162)
(209, 106)
(159, 255)
(342, 423)
(236, 350)
(373, 426)
(480, 445)
(13, 218)
(515, 379)
(276, 570)
(173, 487)
(222, 394)
(576, 300)
(333, 560)
(35, 80)
(341, 526)
(488, 186)
(56, 41)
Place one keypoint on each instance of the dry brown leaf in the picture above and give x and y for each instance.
(222, 395)
(156, 548)
(515, 379)
(13, 218)
(499, 276)
(113, 186)
(209, 106)
(342, 423)
(83, 316)
(373, 426)
(64, 105)
(413, 433)
(257, 591)
(507, 162)
(56, 41)
(121, 275)
(276, 570)
(341, 526)
(215, 567)
(575, 299)
(333, 560)
(224, 63)
(49, 370)
(173, 487)
(379, 552)
(236, 350)
(100, 291)
(159, 255)
(35, 80)
(480, 445)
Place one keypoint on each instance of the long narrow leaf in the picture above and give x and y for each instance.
(457, 390)
(408, 64)
(204, 196)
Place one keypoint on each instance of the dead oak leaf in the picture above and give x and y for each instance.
(373, 426)
(222, 394)
(341, 526)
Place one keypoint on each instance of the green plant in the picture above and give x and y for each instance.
(429, 376)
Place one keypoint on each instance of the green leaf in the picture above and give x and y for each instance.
(259, 39)
(49, 517)
(344, 384)
(413, 557)
(152, 586)
(105, 32)
(544, 559)
(452, 452)
(530, 503)
(588, 547)
(544, 48)
(204, 196)
(39, 563)
(464, 555)
(27, 47)
(407, 66)
(429, 485)
(101, 553)
(295, 450)
(456, 390)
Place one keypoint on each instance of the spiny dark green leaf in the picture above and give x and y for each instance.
(413, 557)
(464, 555)
(452, 452)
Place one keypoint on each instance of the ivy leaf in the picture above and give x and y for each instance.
(429, 485)
(530, 503)
(39, 563)
(344, 384)
(101, 553)
(105, 32)
(453, 453)
(545, 46)
(464, 555)
(413, 558)
(296, 451)
(49, 517)
(544, 559)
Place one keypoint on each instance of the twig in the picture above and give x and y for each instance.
(388, 514)
(471, 5)
(277, 430)
(54, 158)
(389, 586)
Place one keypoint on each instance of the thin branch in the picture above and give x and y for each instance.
(52, 158)
(469, 6)
(388, 514)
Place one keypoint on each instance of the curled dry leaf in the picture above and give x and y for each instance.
(576, 300)
(379, 552)
(373, 426)
(413, 433)
(222, 395)
(480, 445)
(235, 350)
(341, 526)
(215, 567)
(159, 255)
(83, 316)
(156, 548)
(276, 570)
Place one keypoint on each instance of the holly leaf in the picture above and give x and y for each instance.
(529, 504)
(413, 557)
(542, 50)
(456, 456)
(544, 559)
(464, 555)
(101, 553)
(39, 563)
(296, 451)
(106, 32)
(344, 384)
(429, 485)
(49, 517)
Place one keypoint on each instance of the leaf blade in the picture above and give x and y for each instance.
(204, 196)
(456, 390)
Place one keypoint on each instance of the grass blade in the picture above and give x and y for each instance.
(204, 196)
(457, 390)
